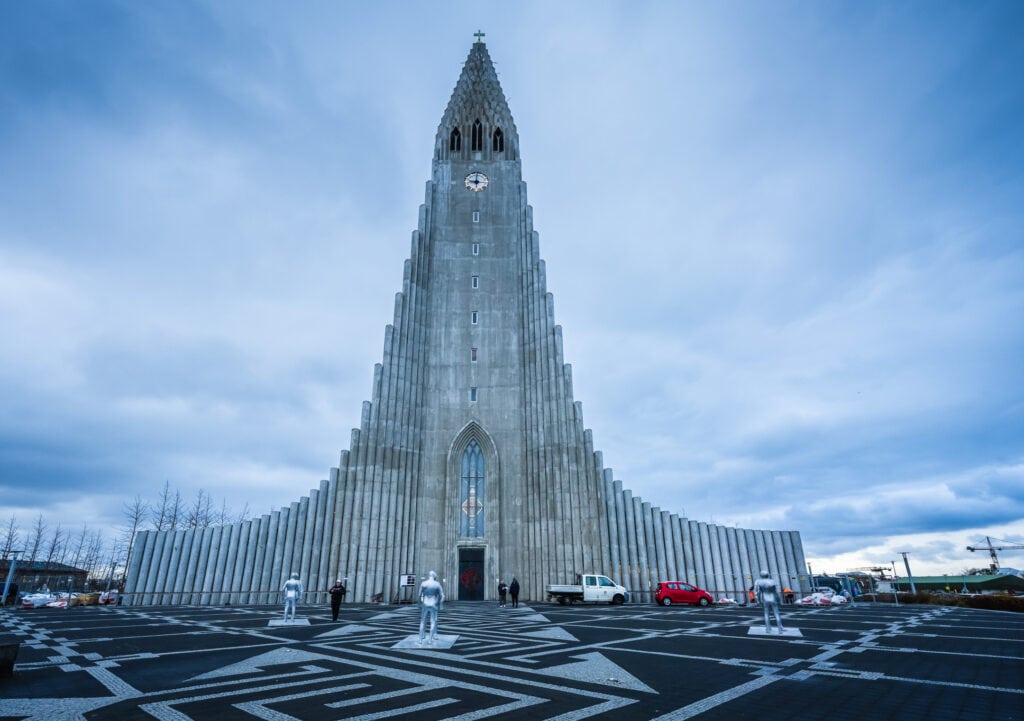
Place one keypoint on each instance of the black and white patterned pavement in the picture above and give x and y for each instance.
(544, 662)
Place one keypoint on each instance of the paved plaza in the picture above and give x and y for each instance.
(540, 662)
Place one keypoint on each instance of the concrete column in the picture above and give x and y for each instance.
(160, 564)
(705, 570)
(792, 570)
(194, 552)
(256, 577)
(226, 563)
(279, 574)
(288, 545)
(169, 567)
(643, 561)
(338, 511)
(268, 591)
(690, 534)
(179, 588)
(780, 572)
(659, 544)
(762, 553)
(307, 569)
(242, 553)
(321, 540)
(147, 572)
(361, 507)
(211, 565)
(372, 481)
(720, 552)
(154, 567)
(248, 561)
(600, 501)
(801, 563)
(678, 559)
(135, 579)
(205, 541)
(735, 572)
(613, 527)
(626, 557)
(755, 565)
(746, 572)
(632, 546)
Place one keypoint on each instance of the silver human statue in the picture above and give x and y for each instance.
(767, 593)
(431, 601)
(292, 593)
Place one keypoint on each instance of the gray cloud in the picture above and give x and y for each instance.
(785, 247)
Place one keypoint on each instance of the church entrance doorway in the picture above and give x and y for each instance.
(471, 574)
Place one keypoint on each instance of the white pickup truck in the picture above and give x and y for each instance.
(589, 587)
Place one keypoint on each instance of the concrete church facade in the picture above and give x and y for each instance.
(471, 459)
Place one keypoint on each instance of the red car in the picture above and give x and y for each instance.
(670, 592)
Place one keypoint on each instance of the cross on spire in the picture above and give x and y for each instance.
(478, 35)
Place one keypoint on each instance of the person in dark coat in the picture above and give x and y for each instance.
(513, 591)
(337, 592)
(502, 593)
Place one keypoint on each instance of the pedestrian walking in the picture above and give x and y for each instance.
(337, 592)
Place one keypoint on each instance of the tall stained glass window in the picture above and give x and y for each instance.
(472, 492)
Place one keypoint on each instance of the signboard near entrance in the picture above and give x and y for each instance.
(407, 581)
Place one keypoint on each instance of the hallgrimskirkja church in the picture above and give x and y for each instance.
(471, 459)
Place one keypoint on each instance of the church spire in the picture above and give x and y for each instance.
(477, 123)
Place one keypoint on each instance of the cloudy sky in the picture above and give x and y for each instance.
(786, 244)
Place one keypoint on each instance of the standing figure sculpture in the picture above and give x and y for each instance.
(767, 593)
(431, 601)
(292, 593)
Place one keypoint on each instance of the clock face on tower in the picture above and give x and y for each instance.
(476, 181)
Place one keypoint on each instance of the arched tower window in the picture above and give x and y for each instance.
(455, 142)
(472, 492)
(478, 135)
(498, 141)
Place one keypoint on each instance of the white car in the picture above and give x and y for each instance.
(823, 598)
(37, 600)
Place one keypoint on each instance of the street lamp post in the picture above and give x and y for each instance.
(10, 577)
(895, 591)
(910, 576)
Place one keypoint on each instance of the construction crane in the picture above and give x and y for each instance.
(1007, 546)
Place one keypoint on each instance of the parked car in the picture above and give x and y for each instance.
(822, 598)
(669, 592)
(37, 600)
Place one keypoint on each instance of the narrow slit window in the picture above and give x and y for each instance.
(478, 135)
(476, 249)
(498, 141)
(472, 394)
(475, 280)
(476, 216)
(472, 354)
(474, 317)
(455, 140)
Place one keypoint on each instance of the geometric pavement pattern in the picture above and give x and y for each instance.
(543, 662)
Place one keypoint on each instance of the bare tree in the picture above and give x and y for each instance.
(176, 512)
(93, 552)
(161, 512)
(244, 515)
(53, 550)
(223, 515)
(135, 516)
(35, 540)
(200, 514)
(80, 546)
(10, 538)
